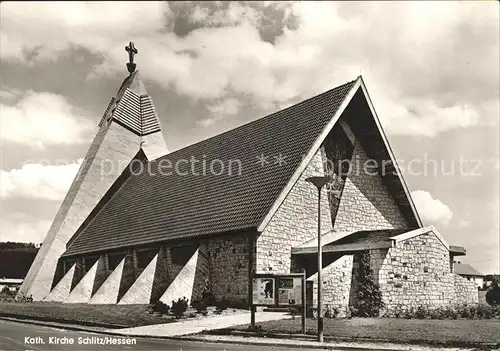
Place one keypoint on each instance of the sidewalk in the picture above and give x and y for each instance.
(197, 326)
(311, 344)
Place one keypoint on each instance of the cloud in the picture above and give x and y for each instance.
(464, 223)
(425, 118)
(221, 109)
(38, 181)
(439, 71)
(40, 119)
(430, 209)
(22, 229)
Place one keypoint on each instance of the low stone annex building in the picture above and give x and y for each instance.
(127, 234)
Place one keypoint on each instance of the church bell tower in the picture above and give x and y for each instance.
(130, 123)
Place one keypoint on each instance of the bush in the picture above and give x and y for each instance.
(179, 307)
(485, 312)
(421, 312)
(438, 313)
(410, 314)
(398, 312)
(466, 311)
(448, 312)
(451, 313)
(221, 306)
(201, 306)
(369, 301)
(331, 312)
(160, 307)
(23, 298)
(493, 293)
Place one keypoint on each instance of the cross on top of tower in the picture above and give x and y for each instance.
(132, 50)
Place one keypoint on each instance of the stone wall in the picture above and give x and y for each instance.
(228, 258)
(466, 292)
(337, 285)
(366, 203)
(295, 222)
(416, 272)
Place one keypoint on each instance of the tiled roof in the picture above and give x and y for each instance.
(466, 269)
(151, 208)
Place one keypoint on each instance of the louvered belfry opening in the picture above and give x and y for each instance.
(136, 112)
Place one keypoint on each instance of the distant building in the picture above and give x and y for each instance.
(12, 284)
(469, 273)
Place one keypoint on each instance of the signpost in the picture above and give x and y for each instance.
(279, 290)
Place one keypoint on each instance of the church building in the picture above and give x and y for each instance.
(141, 224)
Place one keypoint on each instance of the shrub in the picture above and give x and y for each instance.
(398, 312)
(201, 306)
(409, 314)
(160, 307)
(331, 312)
(421, 312)
(221, 305)
(493, 293)
(23, 298)
(369, 296)
(451, 312)
(179, 307)
(438, 313)
(485, 312)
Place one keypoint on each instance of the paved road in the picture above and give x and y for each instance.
(13, 337)
(21, 336)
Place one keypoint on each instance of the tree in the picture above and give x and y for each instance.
(369, 297)
(493, 293)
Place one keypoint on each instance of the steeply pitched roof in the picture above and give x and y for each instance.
(151, 207)
(466, 269)
(133, 108)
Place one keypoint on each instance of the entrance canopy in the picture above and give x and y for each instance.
(362, 240)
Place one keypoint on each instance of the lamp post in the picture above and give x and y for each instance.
(319, 182)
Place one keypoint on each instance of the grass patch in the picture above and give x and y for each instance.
(84, 314)
(434, 332)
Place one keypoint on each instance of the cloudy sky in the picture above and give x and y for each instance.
(432, 69)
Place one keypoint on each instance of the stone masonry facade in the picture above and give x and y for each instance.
(417, 272)
(229, 268)
(366, 203)
(337, 285)
(295, 222)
